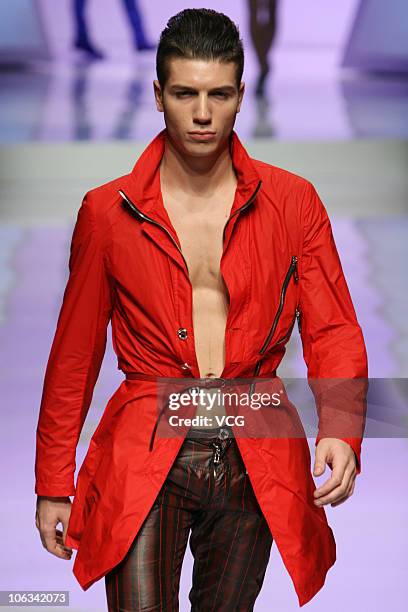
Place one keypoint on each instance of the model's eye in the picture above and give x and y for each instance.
(220, 94)
(183, 94)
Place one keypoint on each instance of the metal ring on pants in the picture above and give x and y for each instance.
(208, 493)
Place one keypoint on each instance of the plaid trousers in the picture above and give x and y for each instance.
(208, 493)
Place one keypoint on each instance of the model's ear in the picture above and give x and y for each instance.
(158, 95)
(240, 95)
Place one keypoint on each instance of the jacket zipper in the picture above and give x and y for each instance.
(137, 211)
(253, 196)
(285, 336)
(291, 271)
(299, 319)
(297, 316)
(143, 216)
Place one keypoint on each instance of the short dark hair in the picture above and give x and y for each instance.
(200, 34)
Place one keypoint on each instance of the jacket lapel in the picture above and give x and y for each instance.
(144, 198)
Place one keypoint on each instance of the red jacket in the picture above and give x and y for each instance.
(126, 266)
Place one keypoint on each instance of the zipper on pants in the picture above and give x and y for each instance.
(220, 448)
(216, 456)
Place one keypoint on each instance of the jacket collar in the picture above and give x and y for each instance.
(143, 186)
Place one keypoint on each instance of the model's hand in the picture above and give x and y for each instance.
(51, 511)
(340, 485)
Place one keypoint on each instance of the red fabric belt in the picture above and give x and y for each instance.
(196, 382)
(207, 383)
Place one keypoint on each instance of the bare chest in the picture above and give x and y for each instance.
(200, 229)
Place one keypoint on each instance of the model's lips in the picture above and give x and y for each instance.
(202, 135)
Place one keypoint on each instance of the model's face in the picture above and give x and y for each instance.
(200, 102)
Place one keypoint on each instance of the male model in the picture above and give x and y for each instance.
(203, 259)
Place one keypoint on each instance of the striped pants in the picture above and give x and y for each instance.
(208, 493)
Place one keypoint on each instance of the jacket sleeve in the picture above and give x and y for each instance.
(75, 358)
(333, 344)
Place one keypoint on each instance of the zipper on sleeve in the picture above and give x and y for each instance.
(299, 319)
(292, 271)
(288, 333)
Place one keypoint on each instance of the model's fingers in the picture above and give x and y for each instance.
(335, 481)
(50, 542)
(348, 494)
(339, 492)
(49, 539)
(342, 499)
(61, 535)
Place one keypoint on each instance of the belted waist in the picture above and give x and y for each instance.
(140, 376)
(197, 383)
(206, 383)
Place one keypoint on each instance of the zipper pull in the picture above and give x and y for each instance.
(298, 316)
(129, 203)
(258, 367)
(294, 262)
(217, 453)
(216, 458)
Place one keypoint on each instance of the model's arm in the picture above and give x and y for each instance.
(334, 352)
(73, 366)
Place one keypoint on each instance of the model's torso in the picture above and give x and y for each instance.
(199, 226)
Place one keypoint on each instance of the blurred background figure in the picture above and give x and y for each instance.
(262, 26)
(82, 38)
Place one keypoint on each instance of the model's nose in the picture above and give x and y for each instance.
(202, 112)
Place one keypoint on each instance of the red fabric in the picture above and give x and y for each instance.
(129, 271)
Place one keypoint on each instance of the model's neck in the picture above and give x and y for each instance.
(196, 176)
